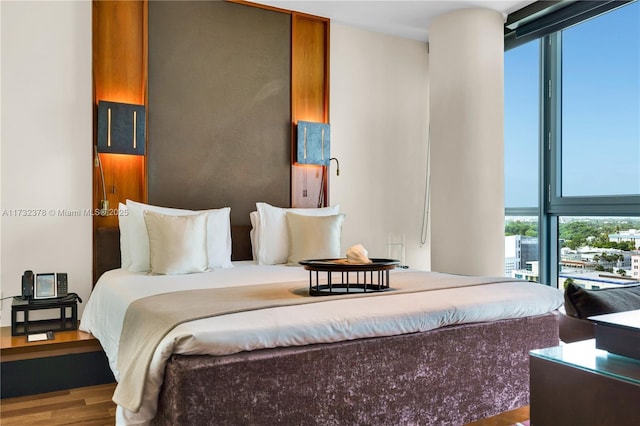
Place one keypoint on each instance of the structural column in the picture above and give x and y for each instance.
(466, 56)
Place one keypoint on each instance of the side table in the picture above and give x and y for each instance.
(578, 384)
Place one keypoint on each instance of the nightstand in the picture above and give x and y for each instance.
(72, 359)
(577, 384)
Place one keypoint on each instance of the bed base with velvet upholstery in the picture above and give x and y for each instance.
(447, 376)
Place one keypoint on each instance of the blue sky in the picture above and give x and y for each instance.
(601, 110)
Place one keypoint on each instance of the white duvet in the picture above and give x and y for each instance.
(292, 325)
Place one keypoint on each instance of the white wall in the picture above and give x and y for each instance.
(379, 131)
(45, 136)
(467, 130)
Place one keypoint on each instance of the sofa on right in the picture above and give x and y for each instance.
(580, 304)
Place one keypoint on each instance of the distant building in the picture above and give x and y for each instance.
(635, 266)
(531, 273)
(576, 264)
(588, 257)
(632, 235)
(519, 250)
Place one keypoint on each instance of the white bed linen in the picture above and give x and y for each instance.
(292, 325)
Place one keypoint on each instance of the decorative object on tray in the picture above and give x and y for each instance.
(371, 275)
(358, 255)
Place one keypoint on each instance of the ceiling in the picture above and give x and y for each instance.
(408, 19)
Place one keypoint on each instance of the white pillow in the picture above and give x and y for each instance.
(273, 240)
(253, 234)
(219, 237)
(218, 234)
(177, 244)
(125, 250)
(314, 237)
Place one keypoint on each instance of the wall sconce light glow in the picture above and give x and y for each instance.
(135, 126)
(109, 128)
(120, 127)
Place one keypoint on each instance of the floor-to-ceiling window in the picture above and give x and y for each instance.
(600, 97)
(521, 136)
(572, 149)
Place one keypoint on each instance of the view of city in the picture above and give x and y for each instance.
(594, 252)
(571, 111)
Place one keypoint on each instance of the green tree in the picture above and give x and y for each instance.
(518, 227)
(626, 246)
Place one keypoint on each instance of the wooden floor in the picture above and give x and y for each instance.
(504, 419)
(93, 406)
(82, 406)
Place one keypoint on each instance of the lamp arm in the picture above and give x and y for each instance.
(104, 203)
(321, 193)
(337, 165)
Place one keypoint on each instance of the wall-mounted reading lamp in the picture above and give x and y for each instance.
(322, 182)
(314, 147)
(121, 130)
(337, 165)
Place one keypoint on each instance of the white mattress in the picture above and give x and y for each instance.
(293, 325)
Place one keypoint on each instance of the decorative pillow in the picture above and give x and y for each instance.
(125, 250)
(313, 237)
(218, 234)
(177, 244)
(582, 303)
(272, 235)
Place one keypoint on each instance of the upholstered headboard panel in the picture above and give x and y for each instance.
(241, 242)
(107, 242)
(219, 106)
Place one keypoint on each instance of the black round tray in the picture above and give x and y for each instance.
(354, 278)
(337, 265)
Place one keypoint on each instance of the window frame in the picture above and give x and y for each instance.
(551, 203)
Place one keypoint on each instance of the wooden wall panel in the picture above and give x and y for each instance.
(309, 102)
(119, 54)
(119, 75)
(309, 69)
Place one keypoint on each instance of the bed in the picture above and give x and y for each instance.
(438, 349)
